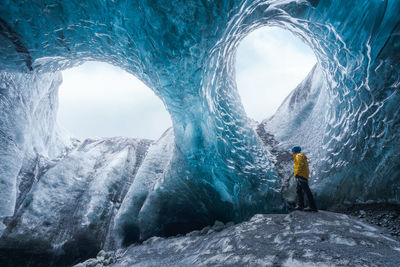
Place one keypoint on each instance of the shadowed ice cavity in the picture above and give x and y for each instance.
(216, 166)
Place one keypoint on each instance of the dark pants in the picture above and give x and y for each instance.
(302, 187)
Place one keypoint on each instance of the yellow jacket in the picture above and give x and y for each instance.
(300, 165)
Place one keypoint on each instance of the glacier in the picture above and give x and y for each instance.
(212, 165)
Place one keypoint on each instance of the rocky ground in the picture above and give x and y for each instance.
(283, 161)
(295, 239)
(380, 214)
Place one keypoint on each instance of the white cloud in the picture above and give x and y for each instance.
(270, 63)
(98, 99)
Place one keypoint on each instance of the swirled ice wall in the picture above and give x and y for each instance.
(185, 52)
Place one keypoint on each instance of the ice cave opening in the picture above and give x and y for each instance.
(59, 195)
(97, 99)
(270, 63)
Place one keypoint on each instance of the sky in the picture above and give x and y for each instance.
(100, 100)
(270, 63)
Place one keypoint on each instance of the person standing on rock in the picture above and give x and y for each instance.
(301, 173)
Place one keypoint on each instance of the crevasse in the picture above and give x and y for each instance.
(212, 165)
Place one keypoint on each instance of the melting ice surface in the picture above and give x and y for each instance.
(211, 165)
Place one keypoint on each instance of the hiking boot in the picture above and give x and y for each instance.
(310, 209)
(298, 208)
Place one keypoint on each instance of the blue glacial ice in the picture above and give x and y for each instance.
(212, 165)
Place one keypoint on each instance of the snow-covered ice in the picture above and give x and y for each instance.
(255, 243)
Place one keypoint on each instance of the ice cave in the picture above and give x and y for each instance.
(65, 199)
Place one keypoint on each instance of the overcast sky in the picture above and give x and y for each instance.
(270, 63)
(98, 99)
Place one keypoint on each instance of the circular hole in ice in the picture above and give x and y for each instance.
(270, 63)
(97, 99)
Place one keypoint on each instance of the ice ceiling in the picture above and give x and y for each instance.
(184, 51)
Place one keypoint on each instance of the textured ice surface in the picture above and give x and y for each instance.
(27, 127)
(346, 111)
(296, 239)
(71, 205)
